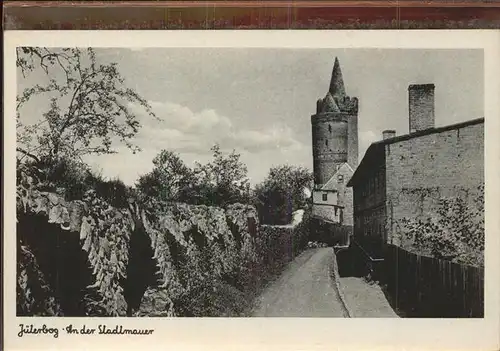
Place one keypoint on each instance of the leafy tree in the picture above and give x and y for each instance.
(282, 192)
(274, 206)
(170, 179)
(89, 106)
(217, 183)
(222, 181)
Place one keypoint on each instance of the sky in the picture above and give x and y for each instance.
(260, 101)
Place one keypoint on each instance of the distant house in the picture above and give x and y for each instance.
(404, 176)
(326, 205)
(331, 199)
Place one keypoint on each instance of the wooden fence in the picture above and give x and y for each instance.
(422, 286)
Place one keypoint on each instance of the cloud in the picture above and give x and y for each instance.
(192, 134)
(184, 130)
(259, 141)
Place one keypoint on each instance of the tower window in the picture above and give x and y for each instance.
(330, 128)
(326, 142)
(325, 197)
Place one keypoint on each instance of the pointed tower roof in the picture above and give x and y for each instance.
(337, 83)
(329, 104)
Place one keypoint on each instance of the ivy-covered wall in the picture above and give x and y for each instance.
(86, 257)
(421, 170)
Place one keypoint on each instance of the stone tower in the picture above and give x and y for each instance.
(334, 130)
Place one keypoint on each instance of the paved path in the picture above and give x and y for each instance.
(365, 300)
(305, 289)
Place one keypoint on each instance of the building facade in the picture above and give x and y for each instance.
(403, 177)
(326, 205)
(335, 151)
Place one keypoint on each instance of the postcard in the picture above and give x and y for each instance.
(246, 190)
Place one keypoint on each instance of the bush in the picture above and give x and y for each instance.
(72, 179)
(279, 245)
(281, 193)
(275, 207)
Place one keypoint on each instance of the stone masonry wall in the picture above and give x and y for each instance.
(421, 170)
(352, 140)
(327, 212)
(329, 141)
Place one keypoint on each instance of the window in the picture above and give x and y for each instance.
(325, 197)
(326, 142)
(341, 178)
(330, 128)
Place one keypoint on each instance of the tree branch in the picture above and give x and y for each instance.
(70, 112)
(26, 153)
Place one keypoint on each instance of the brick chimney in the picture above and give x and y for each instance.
(421, 106)
(387, 134)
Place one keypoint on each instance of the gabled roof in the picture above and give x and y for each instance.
(376, 146)
(331, 184)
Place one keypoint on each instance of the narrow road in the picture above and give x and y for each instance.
(305, 289)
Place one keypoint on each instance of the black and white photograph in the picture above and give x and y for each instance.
(171, 182)
(252, 165)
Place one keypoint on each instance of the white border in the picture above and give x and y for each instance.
(271, 333)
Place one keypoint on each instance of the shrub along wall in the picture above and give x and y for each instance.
(81, 247)
(80, 258)
(279, 245)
